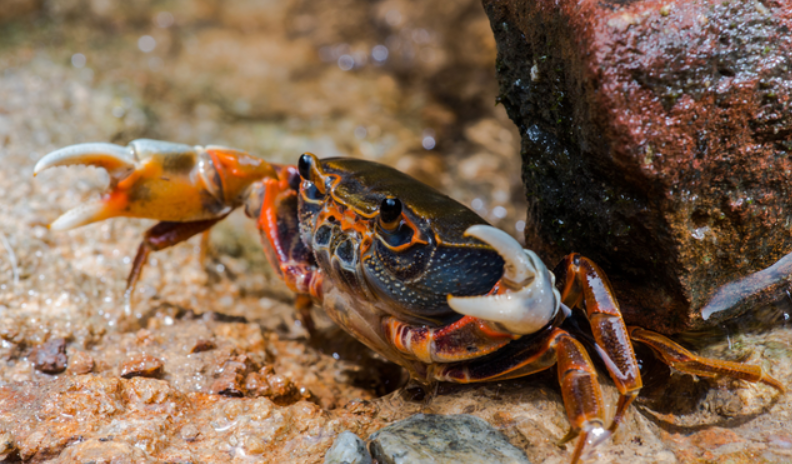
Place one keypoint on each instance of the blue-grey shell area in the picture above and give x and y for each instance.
(412, 283)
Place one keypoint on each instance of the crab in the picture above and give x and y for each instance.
(414, 275)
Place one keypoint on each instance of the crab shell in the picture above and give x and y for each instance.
(408, 270)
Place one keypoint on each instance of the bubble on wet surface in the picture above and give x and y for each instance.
(428, 141)
(700, 232)
(394, 18)
(346, 62)
(147, 44)
(164, 19)
(379, 53)
(78, 60)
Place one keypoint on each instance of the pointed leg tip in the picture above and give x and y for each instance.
(770, 381)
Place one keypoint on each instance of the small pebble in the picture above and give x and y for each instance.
(256, 385)
(6, 445)
(141, 365)
(284, 392)
(189, 432)
(231, 376)
(255, 445)
(437, 439)
(81, 363)
(203, 345)
(347, 448)
(50, 357)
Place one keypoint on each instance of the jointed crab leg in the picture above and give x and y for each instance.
(163, 235)
(273, 202)
(684, 361)
(583, 281)
(466, 338)
(552, 346)
(581, 391)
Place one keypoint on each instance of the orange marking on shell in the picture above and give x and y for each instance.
(347, 219)
(353, 219)
(416, 237)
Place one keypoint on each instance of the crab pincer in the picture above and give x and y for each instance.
(187, 188)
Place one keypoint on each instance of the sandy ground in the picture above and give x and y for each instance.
(232, 375)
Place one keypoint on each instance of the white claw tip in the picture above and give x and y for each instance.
(518, 267)
(522, 311)
(105, 155)
(80, 216)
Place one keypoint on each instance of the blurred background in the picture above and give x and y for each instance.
(404, 82)
(407, 83)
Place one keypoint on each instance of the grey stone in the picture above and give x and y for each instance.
(436, 439)
(348, 448)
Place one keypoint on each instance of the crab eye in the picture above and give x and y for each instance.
(390, 213)
(304, 166)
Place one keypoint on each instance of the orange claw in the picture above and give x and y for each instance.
(160, 180)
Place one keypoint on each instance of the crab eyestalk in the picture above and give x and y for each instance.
(160, 180)
(530, 300)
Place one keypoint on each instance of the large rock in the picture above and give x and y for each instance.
(656, 139)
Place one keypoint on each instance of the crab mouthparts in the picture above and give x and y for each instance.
(531, 300)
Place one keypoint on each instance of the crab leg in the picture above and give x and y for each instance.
(582, 393)
(683, 360)
(163, 235)
(584, 282)
(273, 203)
(580, 388)
(466, 338)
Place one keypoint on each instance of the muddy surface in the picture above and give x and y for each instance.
(209, 363)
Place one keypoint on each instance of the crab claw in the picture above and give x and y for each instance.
(160, 180)
(530, 300)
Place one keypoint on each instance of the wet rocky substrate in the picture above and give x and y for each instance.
(208, 363)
